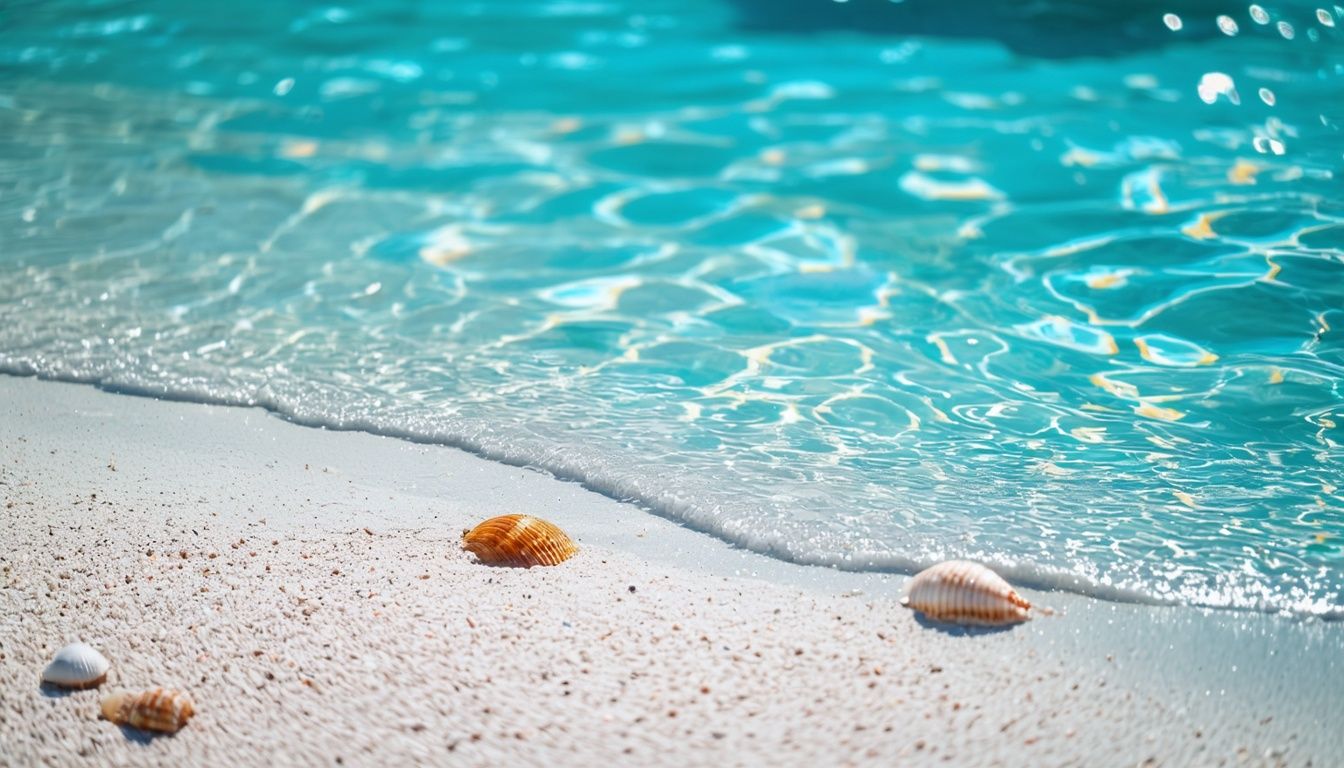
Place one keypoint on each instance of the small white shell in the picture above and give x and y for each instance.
(962, 592)
(77, 666)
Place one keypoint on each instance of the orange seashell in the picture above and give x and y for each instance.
(518, 540)
(158, 709)
(962, 592)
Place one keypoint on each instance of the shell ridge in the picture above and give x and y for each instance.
(156, 709)
(964, 592)
(518, 540)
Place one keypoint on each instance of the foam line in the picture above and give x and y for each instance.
(673, 507)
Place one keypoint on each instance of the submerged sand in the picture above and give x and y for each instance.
(307, 589)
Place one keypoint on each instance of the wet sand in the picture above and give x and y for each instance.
(307, 589)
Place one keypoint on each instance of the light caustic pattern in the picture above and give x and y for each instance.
(870, 304)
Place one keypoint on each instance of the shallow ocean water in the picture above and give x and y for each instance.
(834, 292)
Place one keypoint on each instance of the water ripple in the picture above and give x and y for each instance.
(904, 304)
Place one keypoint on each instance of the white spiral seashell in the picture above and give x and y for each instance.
(962, 592)
(77, 666)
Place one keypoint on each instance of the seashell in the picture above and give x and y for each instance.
(518, 540)
(962, 592)
(158, 709)
(77, 666)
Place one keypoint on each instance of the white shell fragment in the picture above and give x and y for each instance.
(77, 666)
(1215, 84)
(962, 592)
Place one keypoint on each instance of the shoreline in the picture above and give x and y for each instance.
(352, 530)
(1022, 575)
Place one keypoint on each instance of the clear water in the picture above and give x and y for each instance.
(853, 298)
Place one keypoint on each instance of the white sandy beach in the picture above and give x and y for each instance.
(307, 589)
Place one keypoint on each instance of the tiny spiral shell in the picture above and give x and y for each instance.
(962, 592)
(518, 540)
(157, 709)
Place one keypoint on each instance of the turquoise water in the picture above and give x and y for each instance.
(851, 298)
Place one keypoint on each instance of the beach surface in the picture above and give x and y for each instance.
(307, 589)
